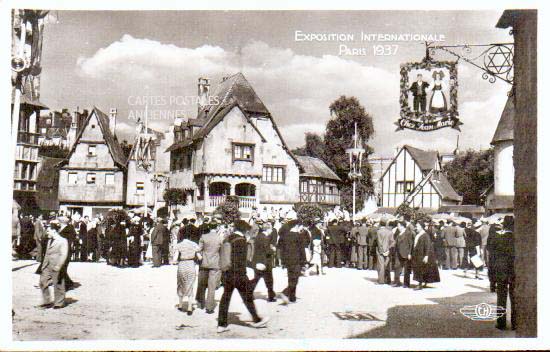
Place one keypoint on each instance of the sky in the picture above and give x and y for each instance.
(125, 59)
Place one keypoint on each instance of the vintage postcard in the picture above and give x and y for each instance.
(271, 178)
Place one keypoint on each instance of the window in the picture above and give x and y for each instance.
(404, 186)
(109, 179)
(73, 178)
(91, 150)
(140, 188)
(243, 152)
(273, 174)
(304, 187)
(90, 178)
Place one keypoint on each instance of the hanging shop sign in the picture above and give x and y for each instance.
(428, 96)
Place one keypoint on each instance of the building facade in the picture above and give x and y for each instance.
(60, 128)
(234, 148)
(415, 176)
(92, 179)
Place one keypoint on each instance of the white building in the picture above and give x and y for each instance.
(415, 175)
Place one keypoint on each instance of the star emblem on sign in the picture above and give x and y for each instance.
(499, 59)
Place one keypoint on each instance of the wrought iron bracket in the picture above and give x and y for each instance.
(495, 60)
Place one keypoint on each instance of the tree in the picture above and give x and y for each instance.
(345, 112)
(308, 214)
(315, 146)
(228, 211)
(470, 174)
(53, 151)
(174, 196)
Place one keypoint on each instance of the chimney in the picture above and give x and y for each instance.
(74, 119)
(112, 120)
(203, 92)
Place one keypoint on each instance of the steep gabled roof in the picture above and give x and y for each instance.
(112, 143)
(444, 188)
(426, 160)
(233, 91)
(505, 128)
(314, 167)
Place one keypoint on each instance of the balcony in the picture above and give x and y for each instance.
(332, 199)
(27, 137)
(244, 201)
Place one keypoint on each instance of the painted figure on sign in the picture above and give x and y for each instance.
(418, 90)
(438, 102)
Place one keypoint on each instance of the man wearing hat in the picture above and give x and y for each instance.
(293, 256)
(57, 251)
(68, 232)
(483, 230)
(262, 259)
(157, 241)
(335, 237)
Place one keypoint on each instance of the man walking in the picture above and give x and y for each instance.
(293, 256)
(57, 251)
(209, 270)
(262, 260)
(461, 245)
(233, 266)
(385, 242)
(39, 238)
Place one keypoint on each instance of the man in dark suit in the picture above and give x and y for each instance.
(262, 259)
(500, 246)
(157, 240)
(418, 90)
(373, 230)
(209, 270)
(404, 242)
(233, 266)
(335, 238)
(68, 232)
(293, 256)
(384, 244)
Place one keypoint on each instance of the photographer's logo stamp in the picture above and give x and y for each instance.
(483, 312)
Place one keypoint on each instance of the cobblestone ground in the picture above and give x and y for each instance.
(138, 303)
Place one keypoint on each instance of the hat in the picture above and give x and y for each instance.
(63, 219)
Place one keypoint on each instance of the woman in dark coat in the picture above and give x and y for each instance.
(134, 250)
(423, 258)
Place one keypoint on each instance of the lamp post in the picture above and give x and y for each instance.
(355, 161)
(157, 179)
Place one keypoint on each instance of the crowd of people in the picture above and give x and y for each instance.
(211, 253)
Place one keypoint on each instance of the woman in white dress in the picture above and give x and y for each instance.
(438, 102)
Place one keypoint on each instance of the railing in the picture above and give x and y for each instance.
(320, 198)
(247, 202)
(216, 200)
(244, 202)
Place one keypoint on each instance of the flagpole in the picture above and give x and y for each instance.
(146, 213)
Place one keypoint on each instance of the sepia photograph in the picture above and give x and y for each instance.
(180, 178)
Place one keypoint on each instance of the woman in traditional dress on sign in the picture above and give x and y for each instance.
(423, 258)
(438, 102)
(185, 253)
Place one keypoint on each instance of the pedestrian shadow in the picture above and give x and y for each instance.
(440, 320)
(233, 318)
(74, 286)
(69, 301)
(371, 279)
(23, 266)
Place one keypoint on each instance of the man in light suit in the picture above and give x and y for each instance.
(450, 245)
(384, 243)
(57, 251)
(210, 245)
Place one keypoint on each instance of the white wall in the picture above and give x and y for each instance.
(504, 168)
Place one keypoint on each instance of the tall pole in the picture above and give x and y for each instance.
(18, 82)
(146, 213)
